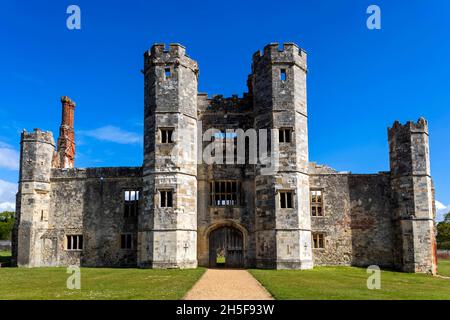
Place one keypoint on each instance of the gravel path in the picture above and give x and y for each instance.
(222, 284)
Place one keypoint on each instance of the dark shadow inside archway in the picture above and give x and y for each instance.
(226, 248)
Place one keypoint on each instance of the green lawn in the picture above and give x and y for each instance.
(319, 283)
(350, 283)
(444, 267)
(97, 283)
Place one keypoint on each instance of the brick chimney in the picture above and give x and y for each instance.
(65, 155)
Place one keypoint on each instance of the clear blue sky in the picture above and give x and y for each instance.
(359, 80)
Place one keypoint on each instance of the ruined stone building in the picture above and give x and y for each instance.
(177, 211)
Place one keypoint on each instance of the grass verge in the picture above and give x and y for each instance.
(97, 283)
(351, 283)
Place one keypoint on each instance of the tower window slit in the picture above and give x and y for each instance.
(286, 200)
(284, 135)
(283, 74)
(167, 135)
(166, 199)
(167, 73)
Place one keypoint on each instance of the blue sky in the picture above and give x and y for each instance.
(359, 80)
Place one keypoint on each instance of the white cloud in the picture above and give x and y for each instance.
(9, 158)
(113, 134)
(7, 206)
(441, 210)
(8, 192)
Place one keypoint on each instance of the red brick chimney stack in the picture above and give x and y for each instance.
(65, 155)
(68, 108)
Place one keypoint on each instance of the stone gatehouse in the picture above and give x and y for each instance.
(177, 211)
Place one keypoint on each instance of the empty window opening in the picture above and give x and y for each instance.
(131, 203)
(286, 199)
(166, 135)
(166, 199)
(167, 73)
(318, 240)
(225, 193)
(75, 242)
(316, 203)
(126, 241)
(284, 135)
(283, 74)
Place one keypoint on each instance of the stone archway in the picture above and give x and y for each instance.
(232, 238)
(226, 248)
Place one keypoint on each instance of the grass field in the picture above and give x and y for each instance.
(350, 283)
(97, 283)
(444, 267)
(319, 283)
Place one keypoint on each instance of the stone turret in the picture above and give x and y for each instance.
(283, 225)
(37, 149)
(412, 196)
(65, 155)
(168, 224)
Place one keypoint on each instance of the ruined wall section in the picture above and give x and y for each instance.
(91, 202)
(87, 202)
(357, 219)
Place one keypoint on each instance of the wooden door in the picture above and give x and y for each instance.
(226, 248)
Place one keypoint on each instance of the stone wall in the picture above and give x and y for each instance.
(88, 202)
(357, 221)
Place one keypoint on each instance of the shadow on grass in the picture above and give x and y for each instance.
(5, 259)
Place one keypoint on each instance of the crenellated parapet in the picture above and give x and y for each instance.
(37, 135)
(219, 103)
(37, 150)
(409, 148)
(175, 55)
(289, 54)
(420, 126)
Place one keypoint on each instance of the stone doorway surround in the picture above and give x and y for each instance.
(203, 249)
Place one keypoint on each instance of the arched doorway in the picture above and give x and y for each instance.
(226, 248)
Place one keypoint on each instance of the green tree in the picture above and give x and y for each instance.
(6, 224)
(443, 233)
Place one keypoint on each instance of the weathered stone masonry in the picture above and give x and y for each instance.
(68, 215)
